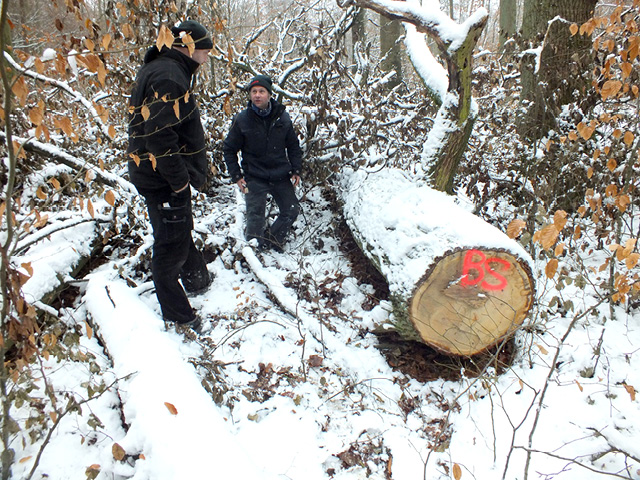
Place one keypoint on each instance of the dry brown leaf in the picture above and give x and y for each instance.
(543, 350)
(560, 219)
(632, 260)
(172, 409)
(559, 250)
(574, 29)
(102, 74)
(515, 227)
(54, 181)
(106, 40)
(89, 330)
(579, 386)
(176, 109)
(152, 159)
(551, 268)
(457, 471)
(90, 208)
(135, 158)
(118, 452)
(27, 266)
(623, 201)
(612, 164)
(548, 236)
(20, 90)
(628, 138)
(24, 459)
(631, 391)
(144, 111)
(315, 360)
(36, 116)
(610, 88)
(165, 38)
(110, 198)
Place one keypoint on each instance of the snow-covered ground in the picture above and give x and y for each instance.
(289, 382)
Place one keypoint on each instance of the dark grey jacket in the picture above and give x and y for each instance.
(270, 146)
(174, 135)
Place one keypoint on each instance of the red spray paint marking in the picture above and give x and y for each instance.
(483, 267)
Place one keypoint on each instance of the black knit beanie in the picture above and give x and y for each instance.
(262, 81)
(198, 33)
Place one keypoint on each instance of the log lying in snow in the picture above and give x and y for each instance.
(457, 283)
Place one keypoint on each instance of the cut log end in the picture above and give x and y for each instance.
(471, 300)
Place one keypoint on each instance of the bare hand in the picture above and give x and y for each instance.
(242, 185)
(295, 179)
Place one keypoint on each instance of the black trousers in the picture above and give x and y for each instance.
(175, 256)
(284, 195)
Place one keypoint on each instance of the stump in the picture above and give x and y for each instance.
(457, 283)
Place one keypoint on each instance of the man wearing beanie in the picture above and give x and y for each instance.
(271, 163)
(167, 157)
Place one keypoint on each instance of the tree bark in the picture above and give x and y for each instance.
(390, 31)
(457, 283)
(508, 19)
(544, 91)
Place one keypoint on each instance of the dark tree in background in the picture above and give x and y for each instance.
(508, 21)
(562, 72)
(390, 52)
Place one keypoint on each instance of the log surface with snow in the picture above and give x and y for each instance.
(457, 283)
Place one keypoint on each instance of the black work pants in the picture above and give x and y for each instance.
(175, 256)
(284, 195)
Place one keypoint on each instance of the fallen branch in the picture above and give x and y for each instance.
(78, 164)
(43, 233)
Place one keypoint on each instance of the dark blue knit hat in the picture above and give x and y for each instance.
(262, 81)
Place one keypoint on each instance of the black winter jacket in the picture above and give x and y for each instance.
(172, 130)
(270, 146)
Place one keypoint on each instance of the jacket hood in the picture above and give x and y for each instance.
(153, 53)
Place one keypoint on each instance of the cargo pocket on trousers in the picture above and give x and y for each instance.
(176, 218)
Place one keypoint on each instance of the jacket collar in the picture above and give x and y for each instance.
(153, 53)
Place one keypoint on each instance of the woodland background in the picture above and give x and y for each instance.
(552, 157)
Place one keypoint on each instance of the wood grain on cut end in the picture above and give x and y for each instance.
(471, 300)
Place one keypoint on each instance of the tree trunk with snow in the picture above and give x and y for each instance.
(457, 283)
(450, 88)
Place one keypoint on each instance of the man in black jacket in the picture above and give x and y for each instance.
(271, 163)
(167, 156)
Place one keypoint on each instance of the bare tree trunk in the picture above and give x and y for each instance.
(358, 30)
(544, 91)
(390, 31)
(508, 20)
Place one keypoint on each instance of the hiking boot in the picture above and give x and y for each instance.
(194, 325)
(200, 291)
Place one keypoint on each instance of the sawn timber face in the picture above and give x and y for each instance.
(470, 300)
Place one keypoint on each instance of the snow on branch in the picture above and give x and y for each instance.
(76, 163)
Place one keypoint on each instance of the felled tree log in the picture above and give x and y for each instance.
(457, 283)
